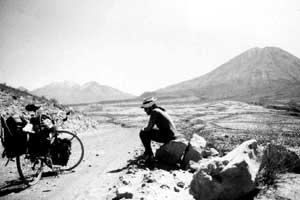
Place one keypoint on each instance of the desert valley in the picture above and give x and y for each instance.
(253, 97)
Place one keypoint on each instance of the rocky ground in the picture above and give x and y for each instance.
(224, 125)
(112, 169)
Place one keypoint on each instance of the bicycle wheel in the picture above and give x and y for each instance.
(30, 171)
(77, 150)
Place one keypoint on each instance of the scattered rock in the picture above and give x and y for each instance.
(180, 184)
(148, 179)
(164, 186)
(130, 171)
(126, 182)
(124, 192)
(210, 152)
(229, 177)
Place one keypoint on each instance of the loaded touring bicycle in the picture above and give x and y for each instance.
(58, 150)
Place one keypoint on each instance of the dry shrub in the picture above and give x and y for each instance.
(276, 160)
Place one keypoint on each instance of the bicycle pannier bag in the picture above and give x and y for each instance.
(12, 137)
(60, 151)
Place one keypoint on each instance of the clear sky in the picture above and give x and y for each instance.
(136, 45)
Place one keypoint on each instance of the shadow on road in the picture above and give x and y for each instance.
(13, 186)
(16, 186)
(139, 163)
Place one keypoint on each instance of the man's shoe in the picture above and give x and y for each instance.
(146, 155)
(149, 158)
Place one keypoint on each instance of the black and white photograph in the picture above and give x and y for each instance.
(150, 99)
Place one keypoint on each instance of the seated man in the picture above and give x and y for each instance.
(164, 131)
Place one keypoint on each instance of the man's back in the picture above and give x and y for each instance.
(163, 121)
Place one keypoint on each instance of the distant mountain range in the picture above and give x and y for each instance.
(268, 72)
(71, 93)
(258, 73)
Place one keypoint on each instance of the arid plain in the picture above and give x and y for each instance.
(224, 124)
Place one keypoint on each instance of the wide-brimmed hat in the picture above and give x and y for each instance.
(148, 102)
(32, 107)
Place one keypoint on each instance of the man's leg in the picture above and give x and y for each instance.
(152, 135)
(146, 140)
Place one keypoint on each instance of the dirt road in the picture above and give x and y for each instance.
(106, 152)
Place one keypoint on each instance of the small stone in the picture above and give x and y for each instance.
(130, 171)
(180, 184)
(176, 189)
(124, 192)
(164, 186)
(125, 182)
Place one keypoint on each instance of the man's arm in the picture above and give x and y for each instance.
(151, 122)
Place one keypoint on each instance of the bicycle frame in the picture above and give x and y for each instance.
(30, 164)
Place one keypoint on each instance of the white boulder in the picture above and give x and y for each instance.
(228, 177)
(194, 151)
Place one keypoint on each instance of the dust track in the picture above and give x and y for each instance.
(106, 152)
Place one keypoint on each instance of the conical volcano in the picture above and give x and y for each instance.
(268, 72)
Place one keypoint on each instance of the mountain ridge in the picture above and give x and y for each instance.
(253, 74)
(67, 92)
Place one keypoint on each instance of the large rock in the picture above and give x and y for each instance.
(194, 151)
(172, 152)
(229, 177)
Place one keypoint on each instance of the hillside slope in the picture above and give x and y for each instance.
(268, 72)
(13, 102)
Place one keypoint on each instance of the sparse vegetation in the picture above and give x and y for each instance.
(277, 160)
(223, 124)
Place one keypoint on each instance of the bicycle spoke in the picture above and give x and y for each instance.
(30, 171)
